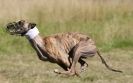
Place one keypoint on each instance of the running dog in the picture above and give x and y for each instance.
(65, 49)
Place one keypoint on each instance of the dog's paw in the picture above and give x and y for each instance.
(57, 71)
(84, 67)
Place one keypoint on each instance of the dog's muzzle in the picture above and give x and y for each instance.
(15, 29)
(11, 28)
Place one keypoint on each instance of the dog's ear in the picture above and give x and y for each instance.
(32, 25)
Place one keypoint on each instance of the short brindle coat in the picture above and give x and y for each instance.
(65, 49)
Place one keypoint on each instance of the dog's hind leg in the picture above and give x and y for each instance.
(83, 49)
(83, 64)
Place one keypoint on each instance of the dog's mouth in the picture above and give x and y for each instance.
(15, 29)
(11, 28)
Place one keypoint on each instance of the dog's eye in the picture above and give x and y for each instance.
(19, 22)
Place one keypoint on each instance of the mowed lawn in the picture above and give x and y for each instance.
(27, 68)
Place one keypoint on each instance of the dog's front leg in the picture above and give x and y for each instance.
(63, 62)
(39, 51)
(42, 58)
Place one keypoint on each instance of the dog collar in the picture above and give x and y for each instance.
(32, 33)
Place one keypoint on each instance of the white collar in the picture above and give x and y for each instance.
(32, 33)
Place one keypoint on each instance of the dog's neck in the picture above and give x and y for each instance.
(33, 35)
(37, 43)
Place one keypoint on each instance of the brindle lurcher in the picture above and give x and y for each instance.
(65, 49)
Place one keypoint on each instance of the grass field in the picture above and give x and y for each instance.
(27, 68)
(108, 22)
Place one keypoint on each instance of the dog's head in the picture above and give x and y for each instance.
(19, 28)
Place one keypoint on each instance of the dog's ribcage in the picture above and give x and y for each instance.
(60, 45)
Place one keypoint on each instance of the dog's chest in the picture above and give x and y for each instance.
(58, 48)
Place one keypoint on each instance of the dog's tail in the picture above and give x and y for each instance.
(104, 62)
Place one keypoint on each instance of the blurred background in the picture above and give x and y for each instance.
(108, 22)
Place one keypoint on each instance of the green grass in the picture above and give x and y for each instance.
(28, 69)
